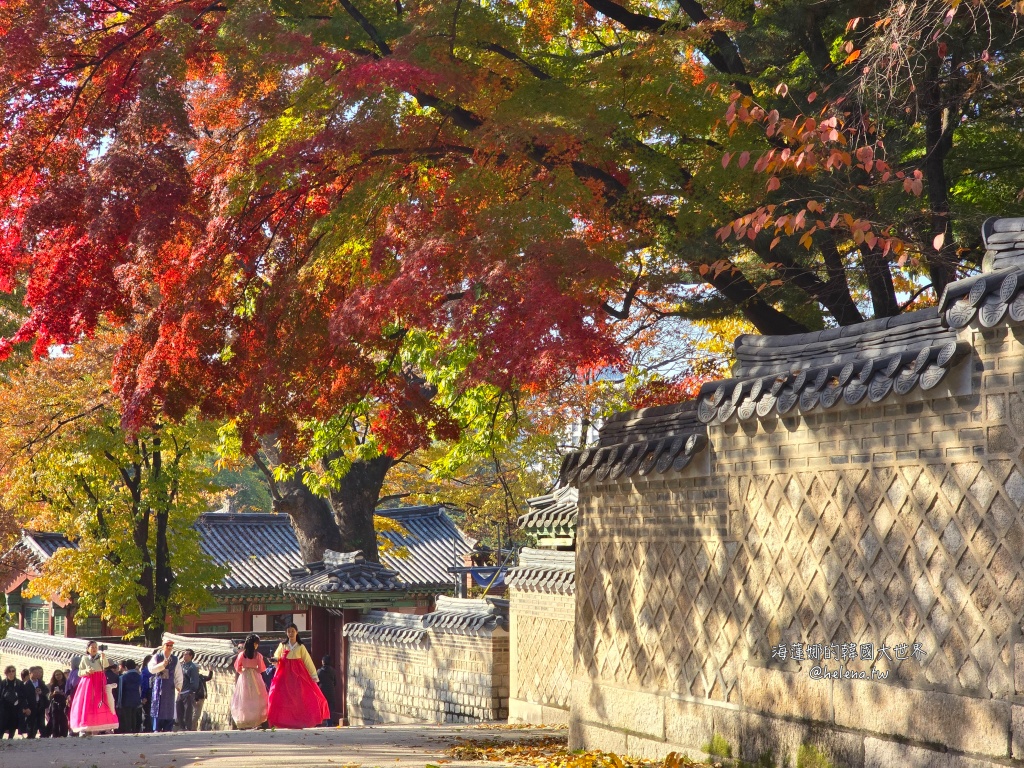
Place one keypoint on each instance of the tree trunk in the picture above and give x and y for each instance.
(355, 502)
(938, 130)
(344, 522)
(311, 516)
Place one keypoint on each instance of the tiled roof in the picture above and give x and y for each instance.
(453, 615)
(340, 574)
(214, 653)
(461, 616)
(210, 651)
(868, 361)
(659, 439)
(61, 649)
(42, 546)
(434, 544)
(999, 291)
(819, 370)
(555, 510)
(544, 570)
(387, 628)
(258, 550)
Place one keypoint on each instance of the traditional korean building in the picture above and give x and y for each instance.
(261, 556)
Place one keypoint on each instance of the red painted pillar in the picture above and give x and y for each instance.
(318, 633)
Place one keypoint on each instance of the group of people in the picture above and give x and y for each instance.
(96, 696)
(31, 706)
(292, 695)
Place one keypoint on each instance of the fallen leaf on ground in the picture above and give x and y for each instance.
(552, 752)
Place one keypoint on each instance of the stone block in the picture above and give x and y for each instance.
(587, 736)
(1017, 736)
(887, 754)
(648, 749)
(637, 711)
(778, 742)
(688, 723)
(962, 723)
(786, 694)
(1018, 667)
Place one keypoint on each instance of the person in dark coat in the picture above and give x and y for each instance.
(129, 698)
(268, 675)
(35, 700)
(57, 711)
(10, 697)
(327, 680)
(201, 695)
(147, 695)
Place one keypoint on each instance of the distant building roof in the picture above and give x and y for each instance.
(40, 546)
(344, 579)
(258, 550)
(453, 615)
(434, 544)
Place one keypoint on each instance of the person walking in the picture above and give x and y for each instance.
(327, 680)
(167, 678)
(57, 711)
(295, 700)
(249, 700)
(201, 699)
(129, 698)
(90, 711)
(186, 706)
(10, 697)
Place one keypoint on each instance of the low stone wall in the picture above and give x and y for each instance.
(449, 666)
(26, 649)
(541, 625)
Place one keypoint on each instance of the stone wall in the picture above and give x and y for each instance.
(541, 619)
(892, 523)
(450, 666)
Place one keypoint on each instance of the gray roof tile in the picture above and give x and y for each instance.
(544, 570)
(435, 544)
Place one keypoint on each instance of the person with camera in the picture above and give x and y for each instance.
(90, 711)
(167, 681)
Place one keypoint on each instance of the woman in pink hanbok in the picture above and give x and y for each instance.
(249, 701)
(90, 712)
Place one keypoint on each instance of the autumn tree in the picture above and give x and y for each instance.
(280, 200)
(127, 502)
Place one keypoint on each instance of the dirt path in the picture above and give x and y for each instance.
(382, 746)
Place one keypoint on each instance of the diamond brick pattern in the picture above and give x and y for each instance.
(913, 532)
(544, 661)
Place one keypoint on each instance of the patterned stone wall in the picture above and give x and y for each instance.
(446, 679)
(541, 629)
(884, 524)
(447, 666)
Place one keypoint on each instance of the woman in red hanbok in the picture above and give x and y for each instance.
(295, 697)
